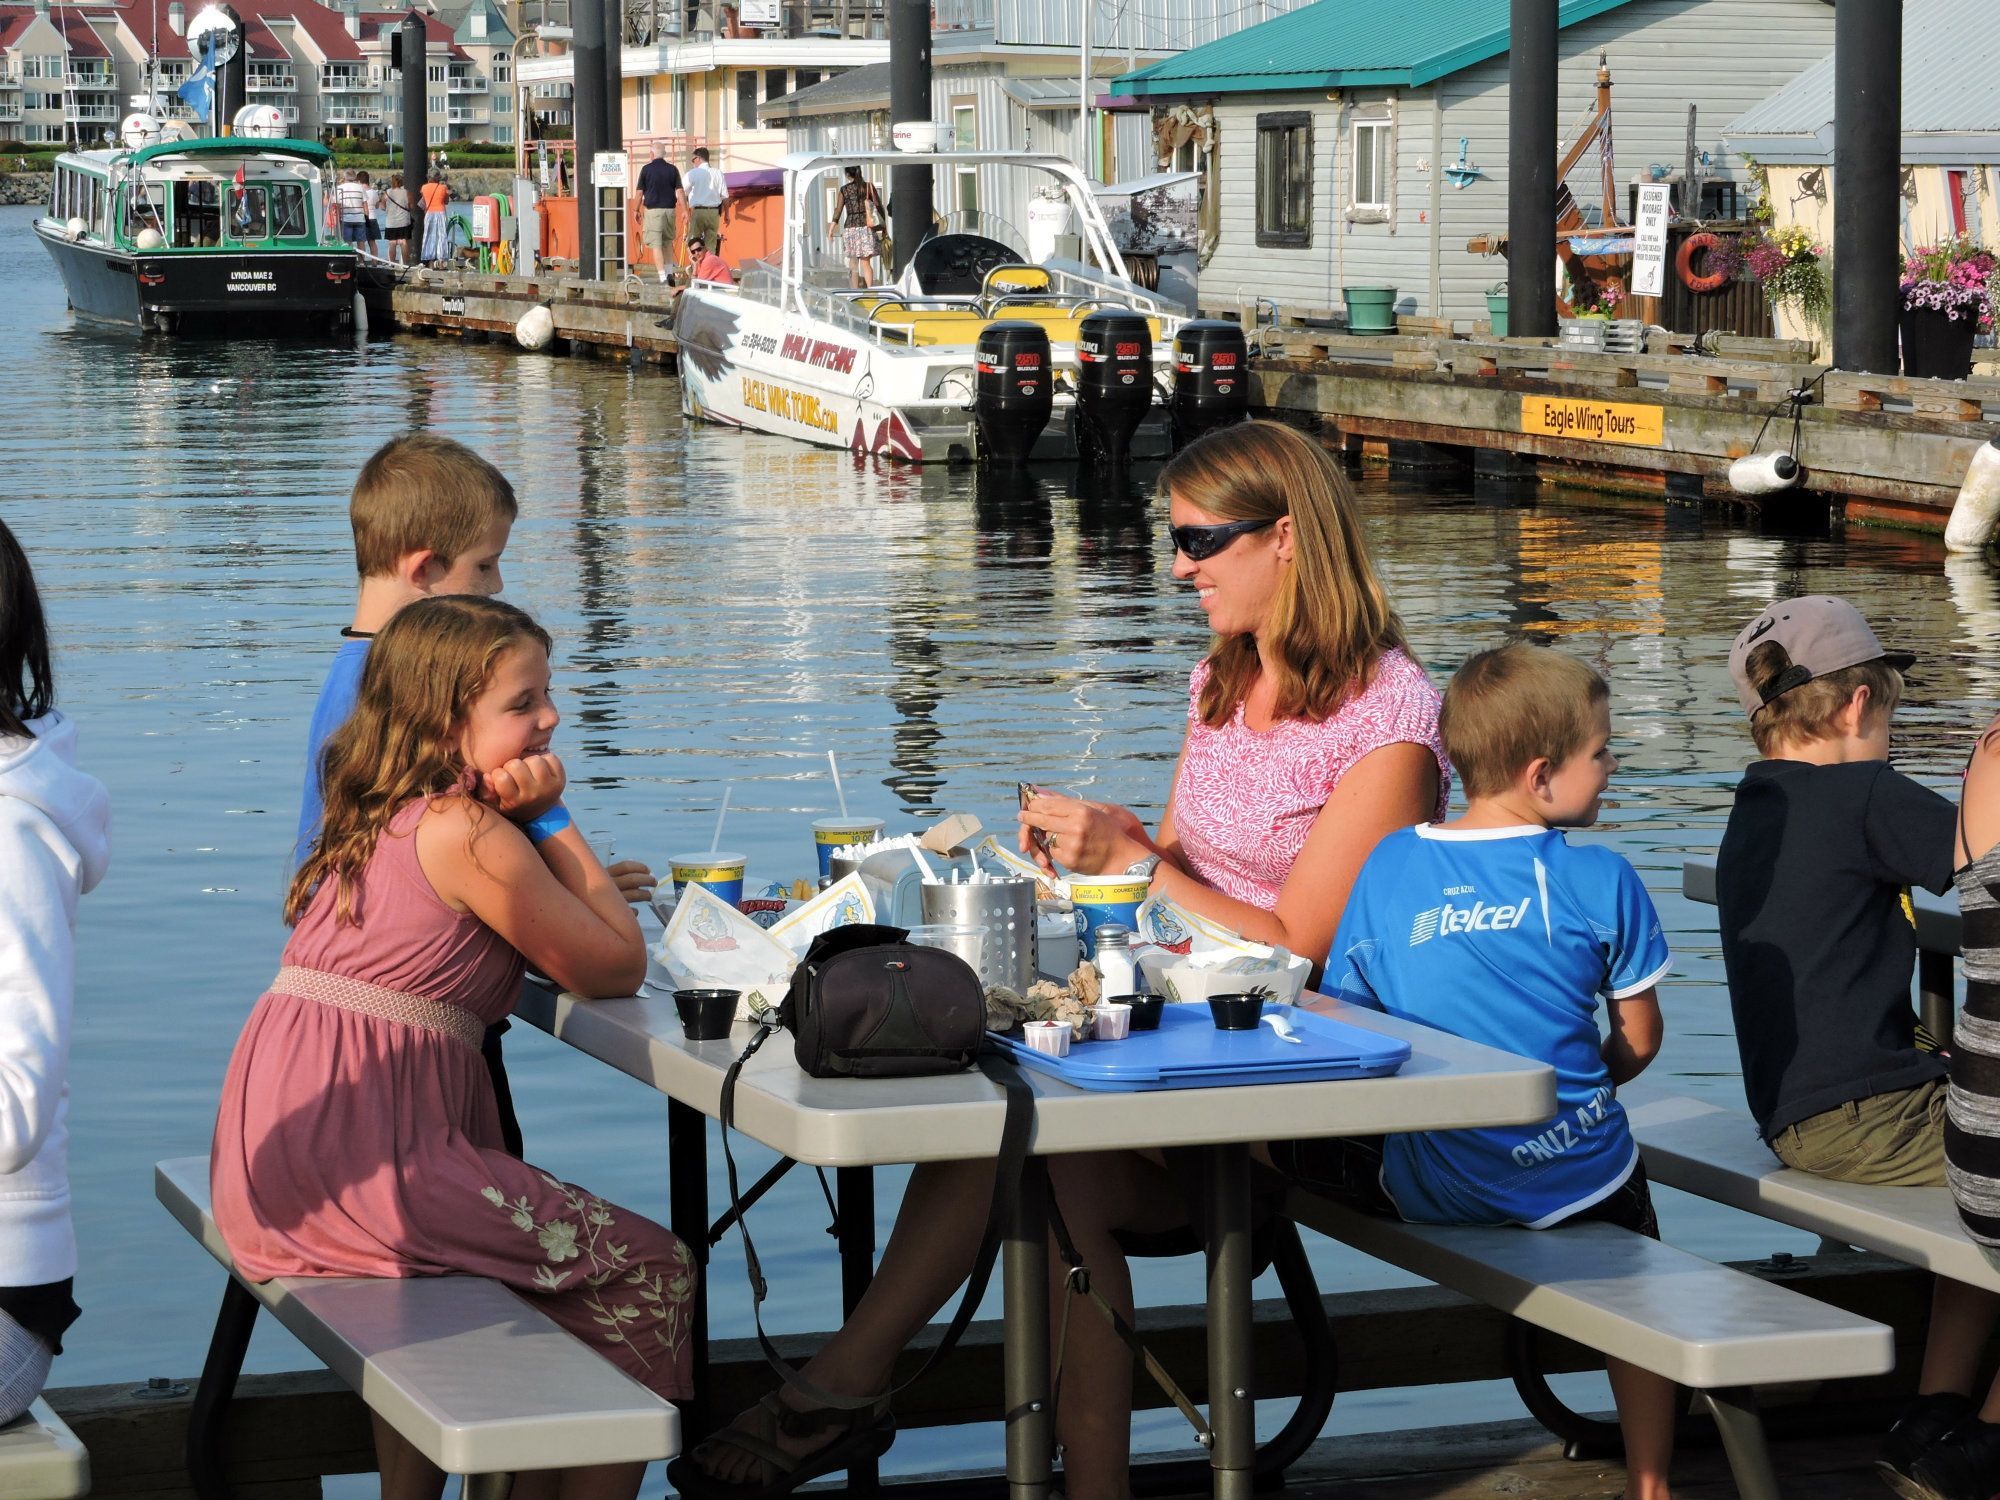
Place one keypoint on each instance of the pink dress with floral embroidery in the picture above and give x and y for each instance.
(1246, 799)
(352, 1145)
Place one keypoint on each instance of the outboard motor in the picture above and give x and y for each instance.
(1016, 390)
(1114, 383)
(1211, 378)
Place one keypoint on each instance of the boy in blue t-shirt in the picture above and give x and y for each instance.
(1495, 928)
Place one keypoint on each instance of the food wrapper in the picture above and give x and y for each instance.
(951, 834)
(1047, 888)
(1187, 958)
(709, 944)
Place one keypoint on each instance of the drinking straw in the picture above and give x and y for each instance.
(834, 766)
(716, 842)
(924, 865)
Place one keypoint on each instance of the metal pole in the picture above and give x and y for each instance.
(232, 78)
(1083, 89)
(411, 44)
(1232, 1410)
(1531, 169)
(856, 1224)
(1867, 154)
(587, 82)
(614, 76)
(909, 100)
(687, 1216)
(1024, 1273)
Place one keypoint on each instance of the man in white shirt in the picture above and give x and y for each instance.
(353, 199)
(705, 192)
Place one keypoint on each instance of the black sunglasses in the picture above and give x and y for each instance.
(1200, 542)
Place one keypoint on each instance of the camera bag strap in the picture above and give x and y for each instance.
(1013, 1152)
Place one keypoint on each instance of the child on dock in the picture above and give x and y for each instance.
(55, 843)
(358, 1133)
(1493, 927)
(1823, 840)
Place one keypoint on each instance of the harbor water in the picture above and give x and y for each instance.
(727, 608)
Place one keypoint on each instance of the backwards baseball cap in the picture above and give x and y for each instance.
(1820, 634)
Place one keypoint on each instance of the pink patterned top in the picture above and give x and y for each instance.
(1246, 800)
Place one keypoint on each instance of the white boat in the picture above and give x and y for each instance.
(895, 370)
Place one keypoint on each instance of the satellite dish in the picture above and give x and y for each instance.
(142, 130)
(214, 21)
(261, 121)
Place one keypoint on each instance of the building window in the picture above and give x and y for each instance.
(746, 100)
(1959, 190)
(439, 103)
(774, 84)
(1374, 166)
(434, 72)
(1284, 178)
(644, 122)
(677, 104)
(503, 70)
(804, 78)
(965, 137)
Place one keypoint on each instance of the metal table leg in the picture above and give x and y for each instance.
(1743, 1441)
(1025, 1283)
(1232, 1411)
(687, 1208)
(855, 1190)
(1937, 986)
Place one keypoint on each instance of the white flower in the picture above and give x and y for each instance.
(558, 1240)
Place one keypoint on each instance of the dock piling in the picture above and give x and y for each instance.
(909, 100)
(1867, 151)
(1531, 168)
(587, 83)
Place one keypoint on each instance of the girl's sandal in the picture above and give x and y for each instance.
(861, 1435)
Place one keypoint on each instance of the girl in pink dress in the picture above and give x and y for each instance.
(1312, 733)
(358, 1134)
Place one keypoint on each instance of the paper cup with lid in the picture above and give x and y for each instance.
(720, 873)
(1102, 899)
(833, 834)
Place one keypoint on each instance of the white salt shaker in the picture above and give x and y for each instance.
(1116, 971)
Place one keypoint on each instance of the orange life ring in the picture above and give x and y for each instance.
(1693, 245)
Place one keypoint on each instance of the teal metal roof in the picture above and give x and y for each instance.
(234, 145)
(1344, 44)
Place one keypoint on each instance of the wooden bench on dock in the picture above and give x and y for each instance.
(1718, 1331)
(481, 1383)
(40, 1458)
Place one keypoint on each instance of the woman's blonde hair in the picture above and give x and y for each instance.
(1331, 620)
(424, 672)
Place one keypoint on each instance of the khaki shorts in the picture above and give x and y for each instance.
(706, 222)
(1890, 1140)
(659, 228)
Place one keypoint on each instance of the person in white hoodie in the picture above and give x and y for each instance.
(55, 842)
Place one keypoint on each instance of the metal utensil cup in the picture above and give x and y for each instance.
(1006, 909)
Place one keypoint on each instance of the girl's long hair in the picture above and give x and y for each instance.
(1331, 620)
(424, 672)
(27, 685)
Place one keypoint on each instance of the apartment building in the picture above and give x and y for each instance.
(59, 78)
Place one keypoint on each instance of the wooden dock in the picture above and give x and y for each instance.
(289, 1430)
(633, 316)
(1886, 449)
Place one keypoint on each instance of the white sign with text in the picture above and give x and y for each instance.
(1649, 255)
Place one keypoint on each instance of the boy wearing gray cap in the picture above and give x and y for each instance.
(1823, 841)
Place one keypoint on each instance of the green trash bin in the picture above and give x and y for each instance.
(1496, 312)
(1370, 309)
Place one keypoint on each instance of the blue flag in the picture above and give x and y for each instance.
(199, 90)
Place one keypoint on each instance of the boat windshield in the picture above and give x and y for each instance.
(268, 210)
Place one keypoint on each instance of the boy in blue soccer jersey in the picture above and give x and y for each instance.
(1495, 928)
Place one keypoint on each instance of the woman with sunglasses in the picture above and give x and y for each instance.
(1312, 733)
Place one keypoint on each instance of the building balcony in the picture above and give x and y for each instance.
(272, 83)
(458, 116)
(90, 78)
(9, 80)
(10, 109)
(466, 83)
(346, 80)
(342, 115)
(92, 114)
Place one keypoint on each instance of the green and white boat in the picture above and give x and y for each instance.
(184, 234)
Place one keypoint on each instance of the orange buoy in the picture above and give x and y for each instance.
(1693, 245)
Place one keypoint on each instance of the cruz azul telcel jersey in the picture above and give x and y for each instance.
(1505, 936)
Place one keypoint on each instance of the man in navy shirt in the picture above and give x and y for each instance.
(660, 188)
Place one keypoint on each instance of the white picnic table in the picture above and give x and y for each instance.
(854, 1125)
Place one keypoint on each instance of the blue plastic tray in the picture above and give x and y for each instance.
(1188, 1052)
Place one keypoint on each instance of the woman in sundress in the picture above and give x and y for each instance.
(358, 1134)
(857, 220)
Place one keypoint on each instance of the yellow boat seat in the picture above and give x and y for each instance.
(943, 325)
(1005, 279)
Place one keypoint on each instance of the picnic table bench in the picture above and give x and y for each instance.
(40, 1458)
(479, 1381)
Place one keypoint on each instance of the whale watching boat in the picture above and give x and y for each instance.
(176, 234)
(976, 352)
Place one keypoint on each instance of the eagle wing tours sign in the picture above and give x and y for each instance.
(1589, 421)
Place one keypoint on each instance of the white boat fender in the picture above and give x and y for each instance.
(360, 313)
(536, 328)
(1976, 512)
(147, 239)
(1765, 473)
(75, 228)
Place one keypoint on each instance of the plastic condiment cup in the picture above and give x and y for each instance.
(1048, 1037)
(720, 873)
(706, 1015)
(830, 834)
(1114, 1021)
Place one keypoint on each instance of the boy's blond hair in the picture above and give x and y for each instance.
(1514, 705)
(423, 493)
(1806, 713)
